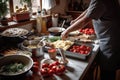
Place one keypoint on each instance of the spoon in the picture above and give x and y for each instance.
(41, 41)
(62, 25)
(63, 57)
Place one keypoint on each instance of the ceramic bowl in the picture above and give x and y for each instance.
(8, 65)
(56, 31)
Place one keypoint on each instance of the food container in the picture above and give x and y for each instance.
(56, 31)
(82, 53)
(52, 53)
(15, 63)
(34, 46)
(21, 16)
(51, 67)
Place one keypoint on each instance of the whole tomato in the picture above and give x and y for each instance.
(50, 72)
(35, 68)
(45, 71)
(54, 68)
(56, 63)
(36, 63)
(44, 65)
(60, 69)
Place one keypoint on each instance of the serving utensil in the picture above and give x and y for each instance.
(63, 57)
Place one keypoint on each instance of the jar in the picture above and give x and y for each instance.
(52, 53)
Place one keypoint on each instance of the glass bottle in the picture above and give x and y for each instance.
(39, 22)
(43, 27)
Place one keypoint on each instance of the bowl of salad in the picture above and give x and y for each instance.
(14, 65)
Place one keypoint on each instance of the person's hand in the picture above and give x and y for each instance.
(64, 35)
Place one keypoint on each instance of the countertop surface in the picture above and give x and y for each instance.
(75, 69)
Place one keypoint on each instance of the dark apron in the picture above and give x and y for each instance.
(108, 32)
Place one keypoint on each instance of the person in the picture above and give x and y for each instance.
(105, 16)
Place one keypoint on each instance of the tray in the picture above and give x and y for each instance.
(77, 54)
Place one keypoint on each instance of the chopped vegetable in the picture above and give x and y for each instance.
(53, 39)
(12, 67)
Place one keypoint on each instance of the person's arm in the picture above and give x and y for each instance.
(80, 23)
(81, 15)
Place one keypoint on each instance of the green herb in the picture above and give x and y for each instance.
(53, 39)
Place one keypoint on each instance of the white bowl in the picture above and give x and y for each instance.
(27, 61)
(56, 31)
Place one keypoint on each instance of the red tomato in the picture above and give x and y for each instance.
(88, 31)
(56, 63)
(74, 47)
(82, 52)
(88, 48)
(80, 30)
(50, 72)
(51, 65)
(45, 65)
(74, 50)
(82, 47)
(60, 69)
(54, 68)
(52, 50)
(71, 50)
(36, 63)
(35, 68)
(35, 59)
(86, 52)
(44, 71)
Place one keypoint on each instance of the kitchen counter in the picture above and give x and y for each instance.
(76, 69)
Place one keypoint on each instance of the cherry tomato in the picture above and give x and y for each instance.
(83, 47)
(45, 65)
(71, 50)
(52, 50)
(44, 71)
(86, 52)
(82, 52)
(54, 68)
(35, 68)
(51, 65)
(34, 59)
(36, 63)
(56, 63)
(50, 72)
(60, 69)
